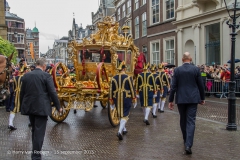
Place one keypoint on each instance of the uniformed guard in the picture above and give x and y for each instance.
(121, 96)
(166, 87)
(159, 88)
(15, 107)
(146, 91)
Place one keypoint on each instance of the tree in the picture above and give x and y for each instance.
(6, 48)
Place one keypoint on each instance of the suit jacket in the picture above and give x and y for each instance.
(188, 85)
(37, 93)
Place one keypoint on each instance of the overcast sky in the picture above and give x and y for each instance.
(53, 17)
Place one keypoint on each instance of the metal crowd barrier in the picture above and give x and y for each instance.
(219, 87)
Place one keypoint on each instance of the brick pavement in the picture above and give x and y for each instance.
(91, 136)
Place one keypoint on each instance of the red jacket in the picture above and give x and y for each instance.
(226, 75)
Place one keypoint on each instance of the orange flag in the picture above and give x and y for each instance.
(31, 50)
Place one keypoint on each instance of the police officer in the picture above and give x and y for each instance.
(121, 95)
(159, 88)
(146, 91)
(166, 88)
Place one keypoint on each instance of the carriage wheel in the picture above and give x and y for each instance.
(113, 116)
(57, 78)
(104, 102)
(56, 116)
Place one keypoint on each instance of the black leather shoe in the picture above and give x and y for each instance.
(161, 111)
(154, 116)
(125, 132)
(95, 106)
(74, 111)
(29, 125)
(119, 135)
(188, 150)
(146, 121)
(12, 128)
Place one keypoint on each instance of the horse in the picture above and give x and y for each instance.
(5, 73)
(141, 60)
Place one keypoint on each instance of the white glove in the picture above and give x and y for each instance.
(137, 96)
(112, 106)
(169, 89)
(154, 96)
(160, 95)
(135, 105)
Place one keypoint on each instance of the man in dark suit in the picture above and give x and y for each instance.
(37, 92)
(188, 85)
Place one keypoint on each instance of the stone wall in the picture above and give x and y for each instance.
(3, 27)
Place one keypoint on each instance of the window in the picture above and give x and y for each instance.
(129, 7)
(143, 2)
(144, 24)
(136, 4)
(170, 51)
(35, 43)
(10, 39)
(20, 39)
(136, 27)
(169, 9)
(155, 53)
(123, 11)
(155, 11)
(19, 25)
(213, 44)
(118, 13)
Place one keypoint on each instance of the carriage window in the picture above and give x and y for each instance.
(95, 56)
(128, 60)
(121, 56)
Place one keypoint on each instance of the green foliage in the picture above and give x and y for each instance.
(6, 48)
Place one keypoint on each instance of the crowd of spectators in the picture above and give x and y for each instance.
(215, 77)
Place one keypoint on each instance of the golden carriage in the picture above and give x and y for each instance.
(95, 60)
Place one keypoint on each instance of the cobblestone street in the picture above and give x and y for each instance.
(89, 135)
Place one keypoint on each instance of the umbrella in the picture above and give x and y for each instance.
(170, 65)
(236, 61)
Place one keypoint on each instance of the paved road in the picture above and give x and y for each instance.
(89, 135)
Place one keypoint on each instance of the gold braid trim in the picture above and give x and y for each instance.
(17, 95)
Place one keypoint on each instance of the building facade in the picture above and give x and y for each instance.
(15, 31)
(32, 36)
(106, 8)
(151, 27)
(3, 26)
(202, 30)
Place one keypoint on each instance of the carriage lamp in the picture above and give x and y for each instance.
(232, 7)
(125, 29)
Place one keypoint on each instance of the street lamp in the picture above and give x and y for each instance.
(232, 6)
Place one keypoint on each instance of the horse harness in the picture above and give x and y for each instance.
(5, 84)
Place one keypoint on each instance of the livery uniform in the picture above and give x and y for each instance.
(166, 87)
(15, 104)
(159, 88)
(121, 96)
(145, 90)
